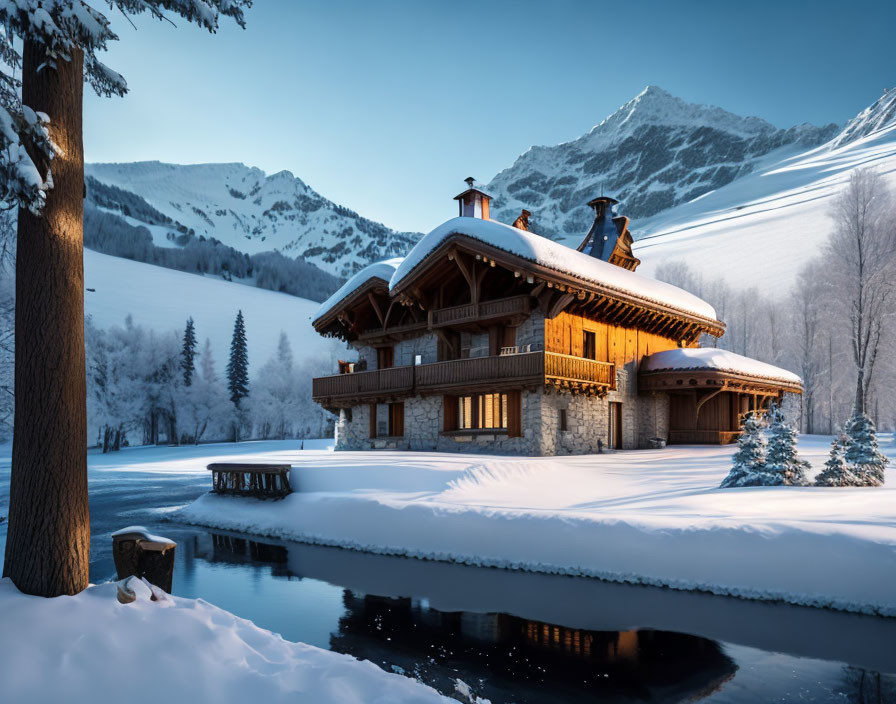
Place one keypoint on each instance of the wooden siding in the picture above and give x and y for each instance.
(613, 343)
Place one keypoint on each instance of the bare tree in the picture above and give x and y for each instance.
(860, 264)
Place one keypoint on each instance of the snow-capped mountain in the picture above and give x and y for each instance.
(252, 212)
(761, 228)
(653, 153)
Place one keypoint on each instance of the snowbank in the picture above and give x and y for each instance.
(645, 517)
(713, 358)
(90, 648)
(556, 256)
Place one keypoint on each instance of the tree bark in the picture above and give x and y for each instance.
(48, 544)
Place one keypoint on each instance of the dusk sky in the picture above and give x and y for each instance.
(386, 107)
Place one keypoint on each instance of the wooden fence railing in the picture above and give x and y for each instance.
(485, 310)
(568, 368)
(380, 381)
(527, 367)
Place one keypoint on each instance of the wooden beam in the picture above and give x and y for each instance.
(376, 308)
(557, 306)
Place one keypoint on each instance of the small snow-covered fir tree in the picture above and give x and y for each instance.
(188, 352)
(238, 366)
(864, 458)
(835, 472)
(749, 460)
(783, 465)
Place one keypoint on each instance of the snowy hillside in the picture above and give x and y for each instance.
(653, 153)
(162, 300)
(766, 224)
(252, 212)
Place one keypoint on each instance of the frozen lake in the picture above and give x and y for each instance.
(512, 636)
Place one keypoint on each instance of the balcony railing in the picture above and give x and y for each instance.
(478, 312)
(395, 380)
(564, 367)
(460, 374)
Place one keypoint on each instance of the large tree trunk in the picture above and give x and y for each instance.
(48, 544)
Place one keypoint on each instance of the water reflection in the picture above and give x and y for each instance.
(508, 658)
(504, 657)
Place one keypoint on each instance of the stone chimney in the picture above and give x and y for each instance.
(473, 202)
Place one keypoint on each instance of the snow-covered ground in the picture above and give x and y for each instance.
(649, 517)
(162, 299)
(91, 648)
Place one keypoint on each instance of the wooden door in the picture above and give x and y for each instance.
(614, 439)
(385, 357)
(396, 420)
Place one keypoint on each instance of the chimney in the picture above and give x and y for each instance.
(473, 202)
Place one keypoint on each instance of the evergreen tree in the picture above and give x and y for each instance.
(783, 465)
(188, 352)
(865, 461)
(749, 460)
(50, 50)
(238, 366)
(835, 472)
(284, 352)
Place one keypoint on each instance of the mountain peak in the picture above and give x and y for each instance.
(877, 116)
(656, 106)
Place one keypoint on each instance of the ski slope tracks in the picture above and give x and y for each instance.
(653, 517)
(162, 299)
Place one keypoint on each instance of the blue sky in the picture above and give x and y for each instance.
(386, 107)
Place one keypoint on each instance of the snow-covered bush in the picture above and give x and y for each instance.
(749, 460)
(835, 472)
(865, 461)
(783, 465)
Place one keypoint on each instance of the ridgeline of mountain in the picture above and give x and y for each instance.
(241, 207)
(653, 153)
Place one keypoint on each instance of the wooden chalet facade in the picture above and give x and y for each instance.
(490, 338)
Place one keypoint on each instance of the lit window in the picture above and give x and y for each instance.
(482, 411)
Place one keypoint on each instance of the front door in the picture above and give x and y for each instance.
(615, 431)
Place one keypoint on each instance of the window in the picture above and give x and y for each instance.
(482, 411)
(563, 423)
(589, 345)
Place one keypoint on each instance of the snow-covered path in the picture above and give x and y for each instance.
(650, 517)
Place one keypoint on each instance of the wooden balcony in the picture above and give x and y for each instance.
(468, 375)
(484, 311)
(381, 382)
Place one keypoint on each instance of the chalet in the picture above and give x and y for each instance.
(491, 338)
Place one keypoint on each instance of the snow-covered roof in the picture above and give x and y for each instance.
(553, 255)
(378, 270)
(710, 358)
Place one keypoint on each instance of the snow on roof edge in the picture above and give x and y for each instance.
(715, 359)
(378, 270)
(553, 255)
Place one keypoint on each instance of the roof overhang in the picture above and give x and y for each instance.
(580, 288)
(713, 379)
(373, 285)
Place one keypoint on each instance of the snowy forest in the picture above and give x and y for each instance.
(149, 388)
(834, 327)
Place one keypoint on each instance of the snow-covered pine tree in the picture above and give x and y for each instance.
(284, 351)
(188, 352)
(749, 460)
(238, 366)
(864, 458)
(52, 47)
(783, 465)
(835, 472)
